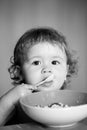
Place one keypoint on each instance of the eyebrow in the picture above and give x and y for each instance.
(33, 57)
(59, 57)
(51, 57)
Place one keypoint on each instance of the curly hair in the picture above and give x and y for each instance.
(35, 36)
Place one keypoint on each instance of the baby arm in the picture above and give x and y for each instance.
(9, 99)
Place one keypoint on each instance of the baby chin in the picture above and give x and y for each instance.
(47, 86)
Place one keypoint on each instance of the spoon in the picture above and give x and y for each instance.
(46, 80)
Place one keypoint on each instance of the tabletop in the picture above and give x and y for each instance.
(35, 126)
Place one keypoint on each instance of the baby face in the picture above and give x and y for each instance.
(45, 59)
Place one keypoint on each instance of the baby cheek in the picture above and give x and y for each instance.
(33, 78)
(60, 75)
(59, 82)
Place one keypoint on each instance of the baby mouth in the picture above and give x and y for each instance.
(45, 83)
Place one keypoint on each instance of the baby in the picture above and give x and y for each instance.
(42, 61)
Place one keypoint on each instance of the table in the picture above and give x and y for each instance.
(35, 126)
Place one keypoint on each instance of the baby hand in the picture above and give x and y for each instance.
(23, 89)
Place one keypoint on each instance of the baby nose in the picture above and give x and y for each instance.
(46, 70)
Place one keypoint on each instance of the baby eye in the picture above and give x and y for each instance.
(36, 63)
(55, 62)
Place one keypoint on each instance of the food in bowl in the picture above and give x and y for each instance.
(36, 106)
(54, 105)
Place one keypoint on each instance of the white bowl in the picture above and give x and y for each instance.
(56, 117)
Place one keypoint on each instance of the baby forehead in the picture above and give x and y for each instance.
(46, 49)
(48, 45)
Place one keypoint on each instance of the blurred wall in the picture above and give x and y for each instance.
(68, 16)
